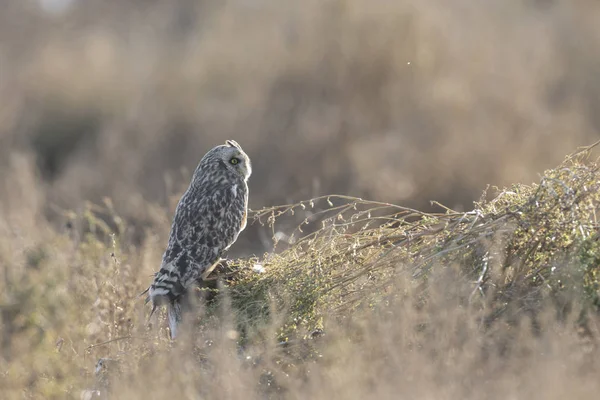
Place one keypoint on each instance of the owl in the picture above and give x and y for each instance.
(208, 219)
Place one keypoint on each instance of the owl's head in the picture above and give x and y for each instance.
(232, 157)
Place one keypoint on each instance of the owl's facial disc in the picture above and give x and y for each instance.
(237, 160)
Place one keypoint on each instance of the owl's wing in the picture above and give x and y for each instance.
(205, 224)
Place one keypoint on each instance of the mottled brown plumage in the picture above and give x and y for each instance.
(208, 219)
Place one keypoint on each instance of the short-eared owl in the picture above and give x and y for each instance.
(208, 219)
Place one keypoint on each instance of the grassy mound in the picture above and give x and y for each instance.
(528, 243)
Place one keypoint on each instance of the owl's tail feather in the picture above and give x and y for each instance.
(174, 316)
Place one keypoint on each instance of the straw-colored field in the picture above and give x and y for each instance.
(375, 292)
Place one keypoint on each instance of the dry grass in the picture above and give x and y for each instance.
(364, 299)
(526, 243)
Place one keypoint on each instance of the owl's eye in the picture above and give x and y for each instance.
(234, 161)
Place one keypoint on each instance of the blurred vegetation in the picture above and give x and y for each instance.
(435, 99)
